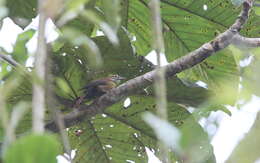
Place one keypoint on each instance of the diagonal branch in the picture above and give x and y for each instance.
(179, 65)
(9, 60)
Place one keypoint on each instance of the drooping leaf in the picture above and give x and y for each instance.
(111, 10)
(71, 16)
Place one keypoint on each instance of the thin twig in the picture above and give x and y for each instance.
(52, 102)
(4, 121)
(160, 83)
(9, 59)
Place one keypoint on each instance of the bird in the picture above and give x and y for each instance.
(97, 88)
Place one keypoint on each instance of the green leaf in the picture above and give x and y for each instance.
(117, 60)
(20, 53)
(33, 148)
(186, 26)
(75, 4)
(82, 25)
(124, 5)
(63, 85)
(121, 134)
(79, 39)
(3, 69)
(139, 25)
(104, 26)
(196, 143)
(71, 16)
(111, 10)
(257, 10)
(21, 12)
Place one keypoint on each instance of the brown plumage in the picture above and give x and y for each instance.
(97, 88)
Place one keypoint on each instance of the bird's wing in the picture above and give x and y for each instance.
(93, 84)
(108, 86)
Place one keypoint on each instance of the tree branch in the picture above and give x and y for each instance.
(241, 41)
(38, 99)
(179, 65)
(9, 60)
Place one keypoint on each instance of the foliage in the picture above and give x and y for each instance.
(33, 148)
(80, 55)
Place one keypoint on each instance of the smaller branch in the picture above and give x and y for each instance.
(4, 117)
(52, 104)
(9, 59)
(158, 44)
(246, 42)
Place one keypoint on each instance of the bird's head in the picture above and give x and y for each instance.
(116, 78)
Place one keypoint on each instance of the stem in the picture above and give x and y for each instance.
(160, 84)
(9, 60)
(52, 104)
(38, 101)
(4, 122)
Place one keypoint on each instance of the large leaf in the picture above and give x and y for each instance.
(85, 137)
(139, 25)
(186, 26)
(117, 60)
(188, 23)
(120, 134)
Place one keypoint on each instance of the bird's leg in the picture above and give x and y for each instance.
(79, 101)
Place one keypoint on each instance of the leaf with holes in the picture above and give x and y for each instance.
(120, 134)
